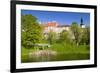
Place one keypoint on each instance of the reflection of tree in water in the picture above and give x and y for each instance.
(42, 55)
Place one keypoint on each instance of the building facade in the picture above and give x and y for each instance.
(53, 26)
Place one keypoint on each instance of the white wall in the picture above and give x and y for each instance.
(5, 37)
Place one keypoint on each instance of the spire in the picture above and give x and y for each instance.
(81, 23)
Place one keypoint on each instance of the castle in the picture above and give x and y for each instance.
(55, 27)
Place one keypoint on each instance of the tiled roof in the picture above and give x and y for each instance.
(51, 24)
(63, 26)
(54, 24)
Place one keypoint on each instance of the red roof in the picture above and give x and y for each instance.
(49, 24)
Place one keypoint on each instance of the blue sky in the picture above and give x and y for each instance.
(62, 18)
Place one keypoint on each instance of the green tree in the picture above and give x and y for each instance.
(31, 31)
(51, 37)
(64, 36)
(85, 36)
(77, 32)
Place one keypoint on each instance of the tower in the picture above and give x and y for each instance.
(82, 25)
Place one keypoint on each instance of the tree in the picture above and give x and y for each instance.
(77, 33)
(64, 37)
(51, 37)
(31, 31)
(85, 36)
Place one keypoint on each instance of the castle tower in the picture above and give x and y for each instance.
(82, 25)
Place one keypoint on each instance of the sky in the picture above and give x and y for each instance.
(62, 18)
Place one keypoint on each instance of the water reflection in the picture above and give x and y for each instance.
(45, 56)
(42, 55)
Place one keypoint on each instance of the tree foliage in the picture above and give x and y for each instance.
(31, 31)
(85, 36)
(51, 37)
(76, 30)
(64, 36)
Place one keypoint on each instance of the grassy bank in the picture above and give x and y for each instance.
(68, 48)
(64, 52)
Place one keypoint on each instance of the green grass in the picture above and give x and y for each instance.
(68, 48)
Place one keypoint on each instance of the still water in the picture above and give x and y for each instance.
(57, 57)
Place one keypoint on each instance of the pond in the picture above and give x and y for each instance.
(48, 56)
